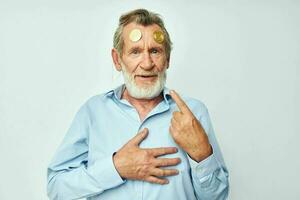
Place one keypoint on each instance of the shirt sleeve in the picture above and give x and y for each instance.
(210, 176)
(69, 174)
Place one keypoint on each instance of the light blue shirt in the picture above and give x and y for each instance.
(83, 166)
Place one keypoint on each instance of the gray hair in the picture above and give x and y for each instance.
(145, 18)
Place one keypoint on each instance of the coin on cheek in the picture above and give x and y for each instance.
(135, 35)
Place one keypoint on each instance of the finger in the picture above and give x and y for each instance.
(164, 172)
(176, 115)
(136, 140)
(180, 103)
(172, 130)
(173, 121)
(153, 179)
(165, 162)
(175, 125)
(162, 151)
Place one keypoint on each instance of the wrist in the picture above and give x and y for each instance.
(202, 154)
(116, 164)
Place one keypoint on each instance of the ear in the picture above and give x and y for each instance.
(116, 59)
(168, 62)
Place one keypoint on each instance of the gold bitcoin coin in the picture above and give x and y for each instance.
(158, 36)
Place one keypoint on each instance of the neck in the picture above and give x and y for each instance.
(143, 106)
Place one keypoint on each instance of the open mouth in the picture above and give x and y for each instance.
(146, 77)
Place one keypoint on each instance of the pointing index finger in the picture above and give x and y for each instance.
(180, 103)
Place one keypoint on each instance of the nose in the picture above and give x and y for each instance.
(147, 63)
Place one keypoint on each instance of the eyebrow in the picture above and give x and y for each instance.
(134, 48)
(157, 48)
(150, 49)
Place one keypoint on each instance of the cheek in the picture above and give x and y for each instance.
(131, 64)
(161, 64)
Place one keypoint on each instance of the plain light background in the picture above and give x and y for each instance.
(241, 58)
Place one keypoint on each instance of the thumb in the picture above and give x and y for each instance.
(140, 137)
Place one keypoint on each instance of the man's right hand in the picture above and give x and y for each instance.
(133, 162)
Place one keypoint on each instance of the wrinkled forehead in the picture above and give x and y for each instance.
(135, 33)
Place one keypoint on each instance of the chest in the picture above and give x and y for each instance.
(108, 134)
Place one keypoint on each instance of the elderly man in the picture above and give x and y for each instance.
(140, 140)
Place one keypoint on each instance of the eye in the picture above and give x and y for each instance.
(135, 51)
(154, 51)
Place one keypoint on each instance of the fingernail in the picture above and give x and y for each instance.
(145, 130)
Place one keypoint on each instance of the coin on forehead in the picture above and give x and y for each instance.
(135, 35)
(158, 36)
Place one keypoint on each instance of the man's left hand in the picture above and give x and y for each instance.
(188, 132)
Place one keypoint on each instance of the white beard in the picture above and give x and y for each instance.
(147, 91)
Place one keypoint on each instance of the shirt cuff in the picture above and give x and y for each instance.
(204, 167)
(105, 173)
